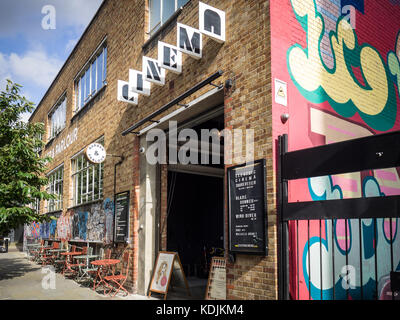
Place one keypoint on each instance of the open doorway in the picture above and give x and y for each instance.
(195, 222)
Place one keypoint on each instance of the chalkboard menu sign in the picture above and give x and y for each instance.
(247, 208)
(121, 223)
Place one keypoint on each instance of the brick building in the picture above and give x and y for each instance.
(116, 41)
(249, 78)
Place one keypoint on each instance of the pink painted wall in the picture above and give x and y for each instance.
(341, 67)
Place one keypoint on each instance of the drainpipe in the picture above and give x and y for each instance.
(122, 158)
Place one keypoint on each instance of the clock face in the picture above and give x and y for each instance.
(96, 153)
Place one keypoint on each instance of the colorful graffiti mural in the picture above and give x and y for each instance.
(343, 83)
(64, 227)
(108, 207)
(92, 222)
(343, 243)
(370, 92)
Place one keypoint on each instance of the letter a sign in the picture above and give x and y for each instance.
(212, 22)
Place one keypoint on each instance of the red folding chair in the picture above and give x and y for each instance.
(117, 281)
(67, 261)
(47, 257)
(78, 265)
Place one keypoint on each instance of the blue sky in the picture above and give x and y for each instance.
(31, 54)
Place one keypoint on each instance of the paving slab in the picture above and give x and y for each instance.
(21, 279)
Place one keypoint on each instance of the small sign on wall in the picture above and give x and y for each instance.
(281, 92)
(247, 209)
(121, 223)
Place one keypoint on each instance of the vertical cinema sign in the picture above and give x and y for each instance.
(188, 41)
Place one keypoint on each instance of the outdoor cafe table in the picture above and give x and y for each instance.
(87, 257)
(67, 259)
(58, 250)
(102, 264)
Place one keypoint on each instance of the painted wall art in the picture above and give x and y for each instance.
(340, 60)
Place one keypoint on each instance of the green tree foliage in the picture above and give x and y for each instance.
(21, 167)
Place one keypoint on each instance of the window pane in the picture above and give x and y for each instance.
(87, 85)
(63, 112)
(104, 64)
(99, 61)
(155, 13)
(81, 92)
(83, 88)
(79, 185)
(93, 74)
(78, 164)
(168, 9)
(78, 94)
(181, 3)
(55, 187)
(57, 118)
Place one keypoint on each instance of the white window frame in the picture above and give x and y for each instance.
(55, 186)
(80, 80)
(83, 176)
(39, 136)
(159, 24)
(62, 101)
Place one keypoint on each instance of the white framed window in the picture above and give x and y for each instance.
(161, 10)
(57, 117)
(38, 149)
(92, 78)
(55, 186)
(35, 205)
(87, 179)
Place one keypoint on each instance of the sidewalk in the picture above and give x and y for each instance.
(21, 279)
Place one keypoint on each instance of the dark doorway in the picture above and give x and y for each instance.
(195, 224)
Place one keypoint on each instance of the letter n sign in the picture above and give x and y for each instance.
(125, 95)
(212, 22)
(137, 83)
(189, 41)
(153, 72)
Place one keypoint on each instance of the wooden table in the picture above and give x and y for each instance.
(103, 267)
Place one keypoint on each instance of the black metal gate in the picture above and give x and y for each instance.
(339, 248)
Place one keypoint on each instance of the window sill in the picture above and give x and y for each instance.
(164, 26)
(53, 138)
(84, 204)
(77, 113)
(53, 212)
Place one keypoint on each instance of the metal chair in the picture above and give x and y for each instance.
(68, 259)
(59, 261)
(117, 281)
(88, 271)
(78, 265)
(48, 257)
